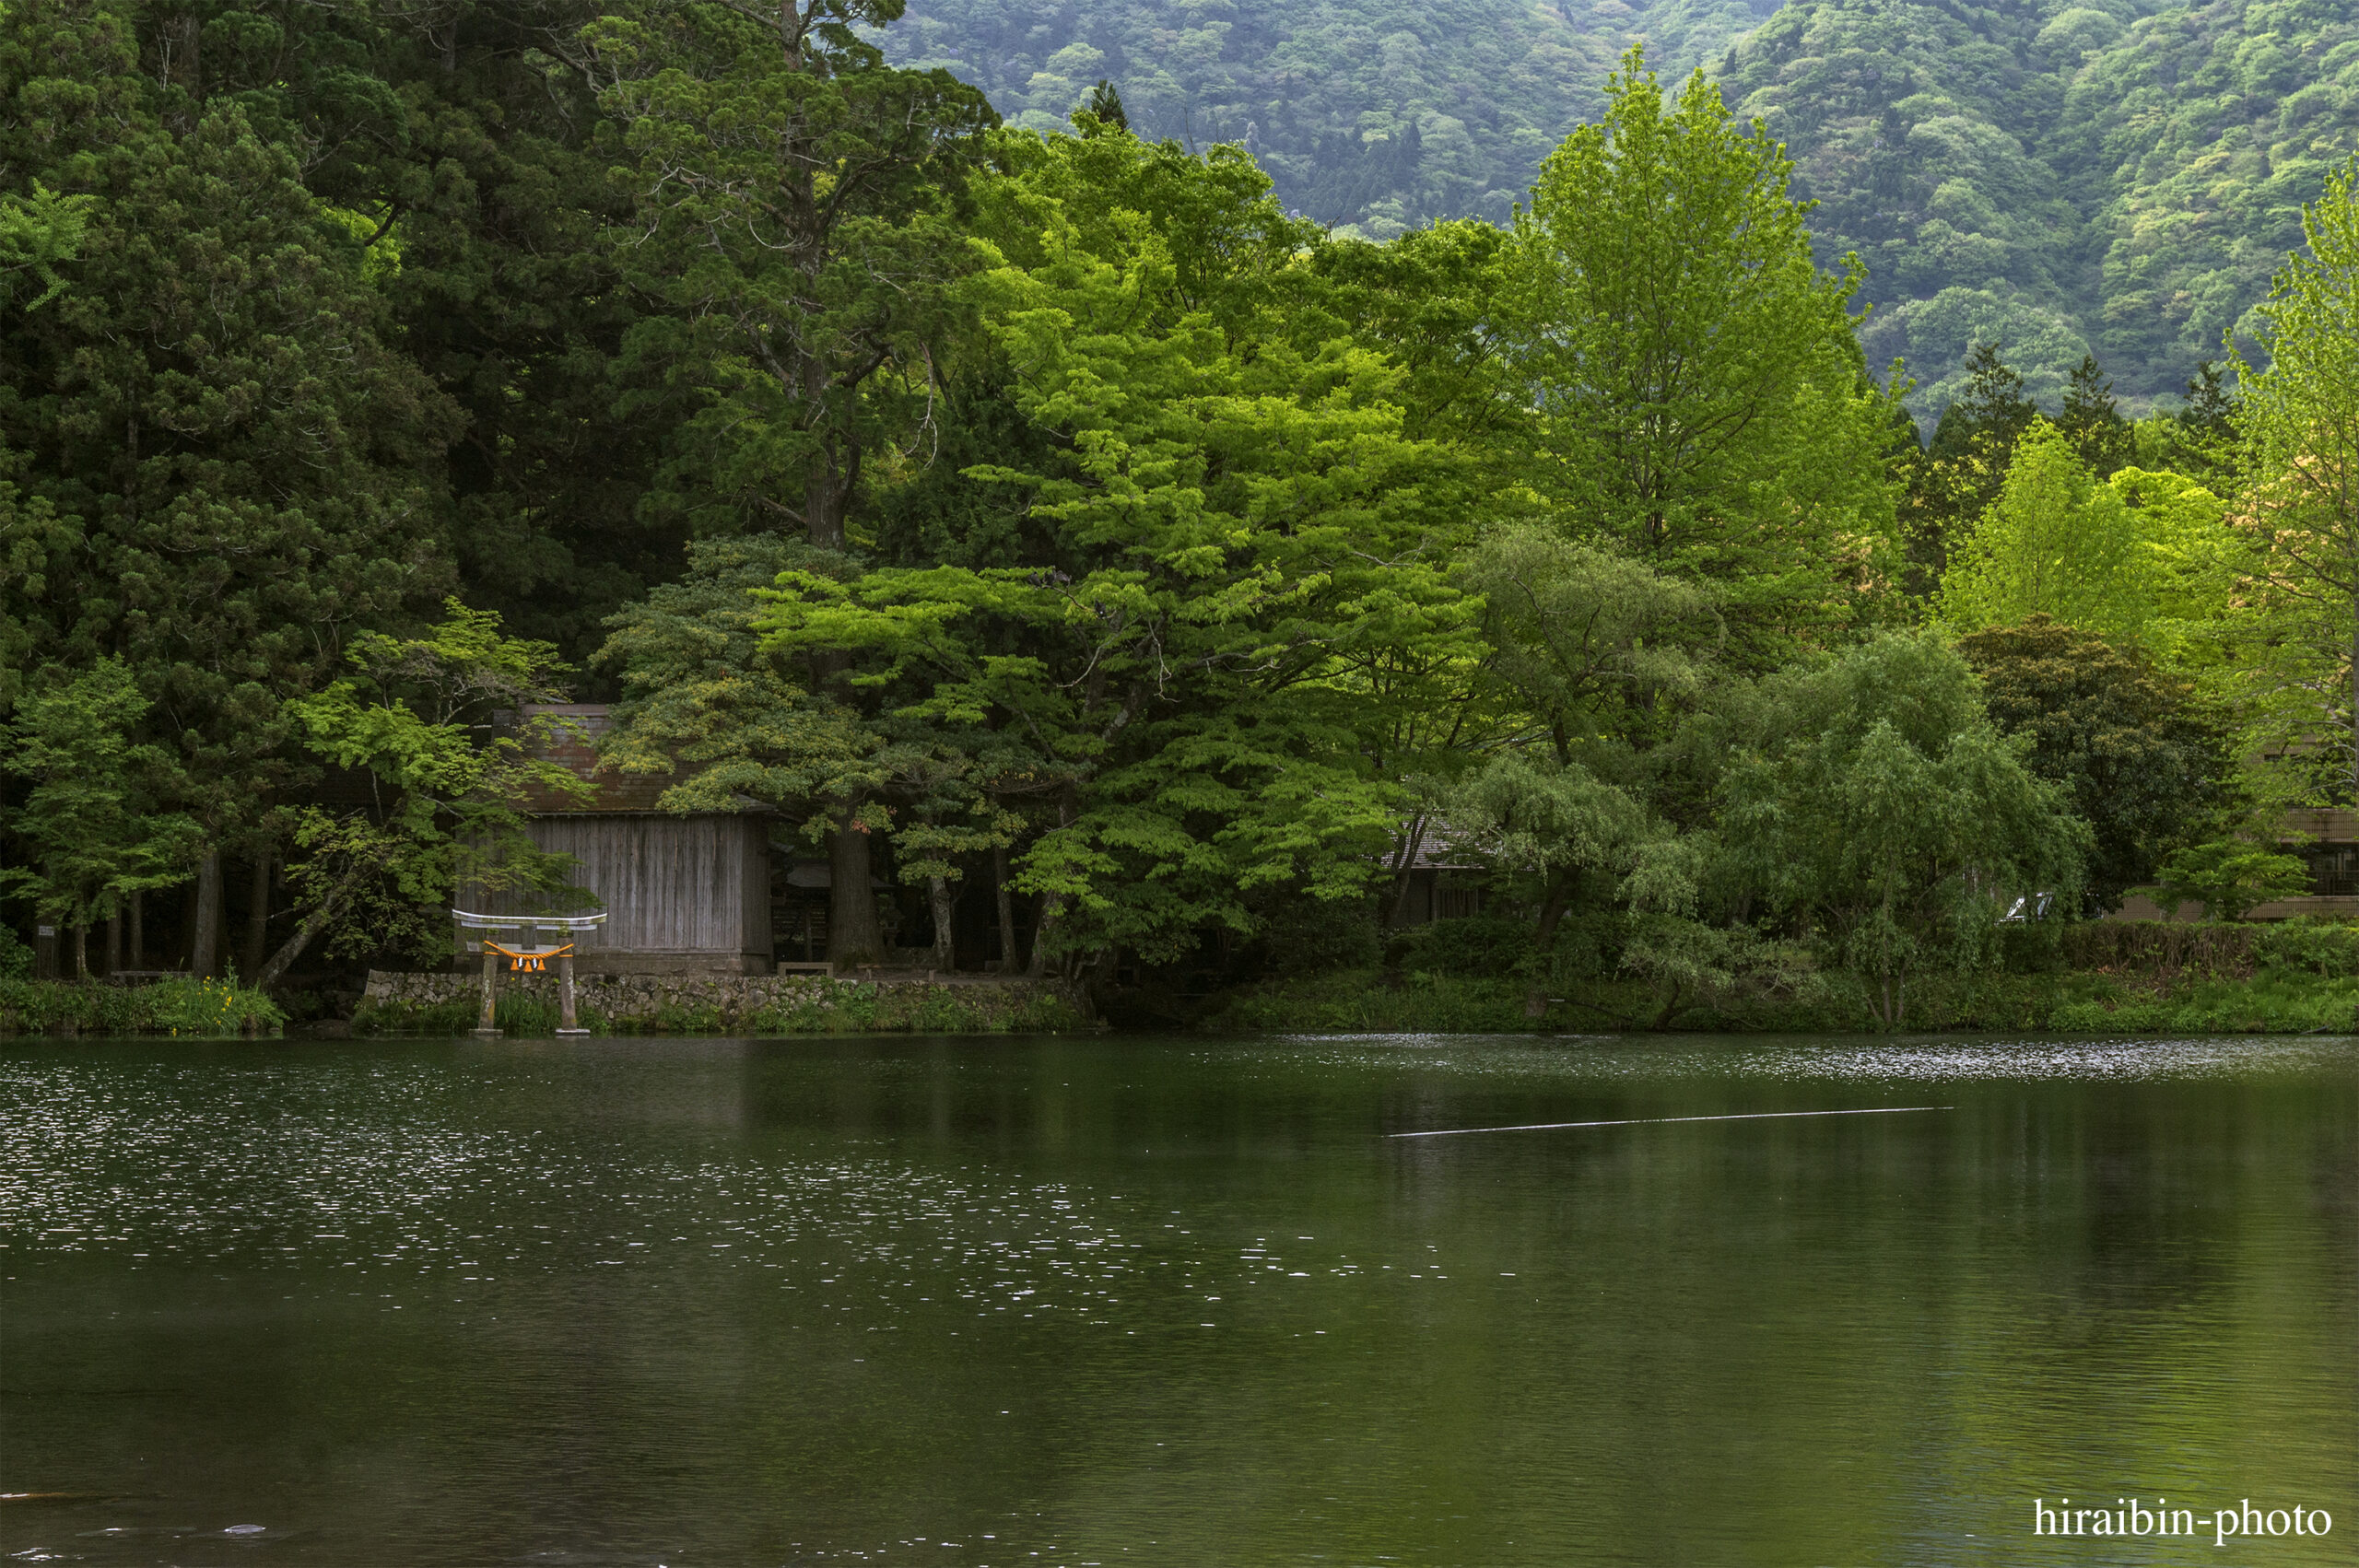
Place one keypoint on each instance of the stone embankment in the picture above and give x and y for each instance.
(900, 1000)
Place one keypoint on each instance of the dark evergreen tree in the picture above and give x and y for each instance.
(2092, 423)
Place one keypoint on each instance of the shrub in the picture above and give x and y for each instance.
(2320, 947)
(1470, 947)
(1310, 936)
(180, 1006)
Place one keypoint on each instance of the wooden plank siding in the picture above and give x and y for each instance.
(679, 887)
(682, 894)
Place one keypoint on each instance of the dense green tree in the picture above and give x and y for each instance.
(1873, 801)
(2143, 760)
(434, 724)
(1234, 529)
(89, 818)
(2227, 876)
(2055, 542)
(1974, 443)
(1598, 652)
(2091, 420)
(2299, 419)
(1698, 392)
(236, 465)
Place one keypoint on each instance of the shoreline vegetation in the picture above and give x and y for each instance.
(1081, 566)
(2128, 977)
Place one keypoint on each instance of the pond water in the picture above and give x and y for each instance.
(1174, 1301)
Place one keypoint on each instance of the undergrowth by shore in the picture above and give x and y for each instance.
(2295, 977)
(175, 1007)
(840, 1007)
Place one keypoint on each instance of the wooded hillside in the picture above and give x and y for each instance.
(2058, 177)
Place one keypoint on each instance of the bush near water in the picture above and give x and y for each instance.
(1471, 975)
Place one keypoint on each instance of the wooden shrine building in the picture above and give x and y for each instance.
(684, 894)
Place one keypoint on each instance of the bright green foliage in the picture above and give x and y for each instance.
(1874, 802)
(2055, 543)
(1700, 397)
(2142, 759)
(2300, 420)
(37, 234)
(448, 789)
(2145, 558)
(1233, 532)
(2228, 876)
(90, 815)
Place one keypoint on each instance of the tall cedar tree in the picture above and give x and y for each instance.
(234, 465)
(795, 203)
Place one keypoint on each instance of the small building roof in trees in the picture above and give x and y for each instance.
(575, 748)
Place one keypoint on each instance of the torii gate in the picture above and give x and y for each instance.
(527, 957)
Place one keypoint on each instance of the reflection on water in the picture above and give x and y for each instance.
(1060, 1301)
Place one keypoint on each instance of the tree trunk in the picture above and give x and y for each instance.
(139, 930)
(82, 952)
(1051, 906)
(944, 899)
(1007, 960)
(1405, 875)
(205, 941)
(257, 914)
(278, 962)
(115, 942)
(1553, 904)
(826, 496)
(854, 936)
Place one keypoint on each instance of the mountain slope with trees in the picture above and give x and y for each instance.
(2058, 178)
(1374, 116)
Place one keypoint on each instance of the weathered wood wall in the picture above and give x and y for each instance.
(684, 885)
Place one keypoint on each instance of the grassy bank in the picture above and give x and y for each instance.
(2127, 977)
(176, 1007)
(823, 1007)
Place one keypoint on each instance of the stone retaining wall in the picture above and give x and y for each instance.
(761, 1004)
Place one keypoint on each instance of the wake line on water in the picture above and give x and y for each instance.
(1658, 1120)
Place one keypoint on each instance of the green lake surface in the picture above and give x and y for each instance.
(1097, 1300)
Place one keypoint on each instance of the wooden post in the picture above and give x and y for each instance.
(491, 982)
(566, 1020)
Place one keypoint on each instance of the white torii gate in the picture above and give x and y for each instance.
(527, 956)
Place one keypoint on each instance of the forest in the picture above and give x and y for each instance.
(2053, 177)
(1049, 514)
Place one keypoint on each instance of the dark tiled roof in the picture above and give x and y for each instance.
(576, 749)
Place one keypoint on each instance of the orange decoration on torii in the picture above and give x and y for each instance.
(534, 960)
